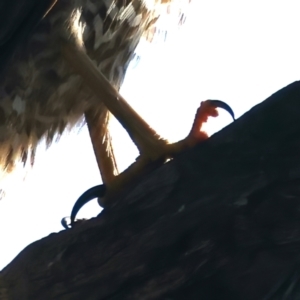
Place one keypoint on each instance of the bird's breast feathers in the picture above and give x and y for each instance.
(40, 95)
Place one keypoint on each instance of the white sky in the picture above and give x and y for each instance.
(228, 50)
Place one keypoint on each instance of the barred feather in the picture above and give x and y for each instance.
(40, 96)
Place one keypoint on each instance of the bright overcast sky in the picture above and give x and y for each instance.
(228, 50)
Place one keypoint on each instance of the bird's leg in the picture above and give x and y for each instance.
(140, 166)
(146, 139)
(101, 141)
(153, 149)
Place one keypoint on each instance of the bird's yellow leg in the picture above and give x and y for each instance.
(145, 138)
(101, 141)
(151, 146)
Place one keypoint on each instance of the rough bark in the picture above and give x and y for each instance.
(221, 221)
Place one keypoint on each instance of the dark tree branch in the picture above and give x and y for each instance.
(218, 222)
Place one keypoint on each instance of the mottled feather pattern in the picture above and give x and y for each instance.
(40, 96)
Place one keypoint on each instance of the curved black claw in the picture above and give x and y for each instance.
(97, 191)
(64, 223)
(225, 106)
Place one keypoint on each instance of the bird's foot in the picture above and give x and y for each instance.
(206, 109)
(153, 149)
(104, 193)
(97, 191)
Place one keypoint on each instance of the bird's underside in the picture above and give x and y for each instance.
(71, 66)
(41, 95)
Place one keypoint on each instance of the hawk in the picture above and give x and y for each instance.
(62, 60)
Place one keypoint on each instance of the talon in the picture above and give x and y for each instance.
(222, 104)
(64, 223)
(97, 191)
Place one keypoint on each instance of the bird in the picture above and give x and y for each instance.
(65, 60)
(43, 90)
